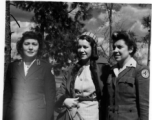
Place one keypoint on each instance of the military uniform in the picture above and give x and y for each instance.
(29, 96)
(128, 92)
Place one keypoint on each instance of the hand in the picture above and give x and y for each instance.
(71, 102)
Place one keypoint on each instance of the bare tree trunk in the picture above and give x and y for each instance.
(110, 26)
(7, 37)
(148, 60)
(109, 9)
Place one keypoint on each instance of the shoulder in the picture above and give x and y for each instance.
(44, 63)
(103, 66)
(70, 68)
(102, 60)
(140, 67)
(15, 63)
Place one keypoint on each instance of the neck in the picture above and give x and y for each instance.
(122, 63)
(28, 60)
(85, 62)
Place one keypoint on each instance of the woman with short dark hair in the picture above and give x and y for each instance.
(30, 35)
(80, 93)
(128, 82)
(29, 90)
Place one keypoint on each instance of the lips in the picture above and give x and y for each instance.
(82, 55)
(30, 52)
(116, 55)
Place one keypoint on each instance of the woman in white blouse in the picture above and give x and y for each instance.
(80, 93)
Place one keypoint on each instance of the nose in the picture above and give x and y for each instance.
(30, 46)
(115, 49)
(82, 49)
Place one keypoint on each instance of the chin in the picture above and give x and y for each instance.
(117, 59)
(82, 59)
(30, 56)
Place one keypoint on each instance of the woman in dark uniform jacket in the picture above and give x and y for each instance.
(80, 93)
(30, 86)
(128, 82)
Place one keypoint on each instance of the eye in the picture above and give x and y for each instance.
(119, 46)
(79, 47)
(34, 44)
(85, 47)
(26, 43)
(114, 47)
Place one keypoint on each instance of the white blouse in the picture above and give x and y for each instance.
(87, 110)
(26, 67)
(84, 83)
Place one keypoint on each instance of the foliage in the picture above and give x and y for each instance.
(146, 21)
(60, 23)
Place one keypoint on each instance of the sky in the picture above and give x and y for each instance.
(132, 16)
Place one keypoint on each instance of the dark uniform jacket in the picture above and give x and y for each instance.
(66, 89)
(29, 97)
(128, 94)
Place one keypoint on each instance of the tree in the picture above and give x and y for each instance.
(8, 35)
(109, 9)
(146, 21)
(60, 23)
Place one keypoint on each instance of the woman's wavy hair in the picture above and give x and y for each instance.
(123, 35)
(92, 41)
(30, 35)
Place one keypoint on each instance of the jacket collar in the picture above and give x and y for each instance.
(34, 67)
(130, 63)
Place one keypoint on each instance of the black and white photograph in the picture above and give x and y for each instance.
(76, 60)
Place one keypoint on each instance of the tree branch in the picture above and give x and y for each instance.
(104, 51)
(70, 10)
(12, 4)
(15, 20)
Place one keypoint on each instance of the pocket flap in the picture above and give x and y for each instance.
(130, 80)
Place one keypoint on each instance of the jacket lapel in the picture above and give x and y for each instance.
(71, 76)
(123, 73)
(34, 67)
(68, 83)
(99, 81)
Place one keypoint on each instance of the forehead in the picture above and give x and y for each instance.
(83, 42)
(120, 42)
(31, 40)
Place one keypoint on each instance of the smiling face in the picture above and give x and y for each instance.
(84, 50)
(30, 48)
(121, 52)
